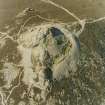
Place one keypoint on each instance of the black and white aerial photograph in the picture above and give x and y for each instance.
(52, 52)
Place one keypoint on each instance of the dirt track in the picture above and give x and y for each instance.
(83, 8)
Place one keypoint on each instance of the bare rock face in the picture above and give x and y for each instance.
(52, 46)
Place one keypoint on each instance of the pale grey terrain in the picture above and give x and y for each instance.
(49, 58)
